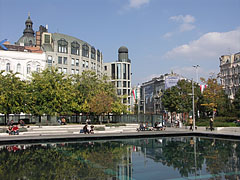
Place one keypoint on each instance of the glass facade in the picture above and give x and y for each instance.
(62, 46)
(119, 71)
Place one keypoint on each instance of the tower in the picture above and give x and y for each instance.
(28, 38)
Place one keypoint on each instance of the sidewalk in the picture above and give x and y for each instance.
(66, 132)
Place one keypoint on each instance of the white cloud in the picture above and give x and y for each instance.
(168, 35)
(183, 19)
(209, 46)
(186, 24)
(186, 27)
(137, 3)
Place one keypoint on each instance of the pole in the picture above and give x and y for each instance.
(144, 103)
(193, 106)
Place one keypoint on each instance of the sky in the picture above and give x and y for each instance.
(162, 36)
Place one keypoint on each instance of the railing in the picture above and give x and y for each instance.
(77, 119)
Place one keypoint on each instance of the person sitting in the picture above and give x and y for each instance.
(15, 130)
(141, 127)
(9, 130)
(159, 126)
(63, 121)
(92, 129)
(85, 129)
(22, 123)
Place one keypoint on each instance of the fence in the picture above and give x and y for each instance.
(81, 119)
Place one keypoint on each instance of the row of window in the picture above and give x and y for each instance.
(123, 92)
(123, 71)
(75, 62)
(123, 84)
(64, 70)
(75, 49)
(231, 71)
(8, 68)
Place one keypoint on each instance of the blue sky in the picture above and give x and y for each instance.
(161, 35)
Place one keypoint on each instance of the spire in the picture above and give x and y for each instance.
(28, 31)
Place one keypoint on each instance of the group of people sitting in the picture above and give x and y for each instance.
(13, 130)
(87, 130)
(157, 126)
(62, 121)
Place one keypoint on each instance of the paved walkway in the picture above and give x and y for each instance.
(72, 133)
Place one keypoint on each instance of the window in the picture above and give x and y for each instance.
(73, 71)
(86, 64)
(59, 60)
(105, 68)
(85, 50)
(83, 65)
(113, 71)
(59, 70)
(73, 61)
(98, 55)
(77, 62)
(124, 91)
(93, 53)
(28, 69)
(49, 61)
(46, 38)
(38, 69)
(129, 84)
(8, 67)
(129, 92)
(119, 71)
(119, 92)
(62, 46)
(64, 70)
(18, 67)
(124, 72)
(128, 70)
(77, 71)
(124, 84)
(75, 48)
(119, 84)
(65, 60)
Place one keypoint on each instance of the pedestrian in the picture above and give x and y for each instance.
(191, 123)
(211, 124)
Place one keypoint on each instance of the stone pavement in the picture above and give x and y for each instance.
(72, 133)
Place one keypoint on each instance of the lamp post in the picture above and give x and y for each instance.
(193, 108)
(196, 67)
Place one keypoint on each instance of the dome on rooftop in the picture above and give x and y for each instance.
(123, 49)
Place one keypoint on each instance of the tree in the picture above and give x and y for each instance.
(12, 94)
(236, 103)
(214, 96)
(50, 93)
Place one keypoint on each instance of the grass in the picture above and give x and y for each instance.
(218, 122)
(115, 124)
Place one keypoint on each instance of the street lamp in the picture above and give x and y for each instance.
(196, 67)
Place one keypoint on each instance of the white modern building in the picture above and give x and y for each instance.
(120, 74)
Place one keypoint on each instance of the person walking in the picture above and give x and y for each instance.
(211, 124)
(191, 123)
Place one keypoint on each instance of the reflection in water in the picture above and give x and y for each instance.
(160, 158)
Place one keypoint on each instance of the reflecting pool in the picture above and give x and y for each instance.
(174, 158)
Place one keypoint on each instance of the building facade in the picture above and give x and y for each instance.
(120, 75)
(68, 54)
(230, 73)
(22, 60)
(152, 91)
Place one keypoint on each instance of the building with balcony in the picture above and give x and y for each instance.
(230, 73)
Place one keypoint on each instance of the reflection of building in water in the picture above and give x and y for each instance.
(124, 169)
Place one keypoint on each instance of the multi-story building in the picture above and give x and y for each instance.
(152, 91)
(230, 73)
(69, 54)
(22, 60)
(120, 74)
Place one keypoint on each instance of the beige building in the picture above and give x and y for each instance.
(69, 54)
(230, 73)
